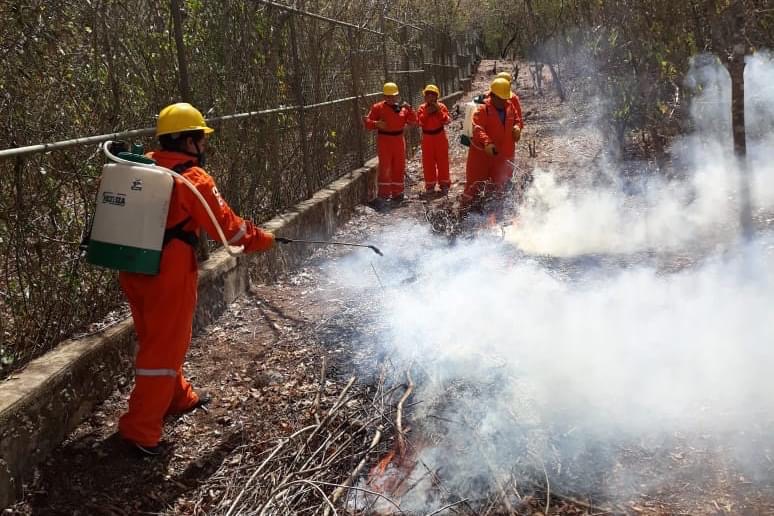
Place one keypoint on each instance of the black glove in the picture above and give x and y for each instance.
(282, 240)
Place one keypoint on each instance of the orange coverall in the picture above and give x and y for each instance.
(485, 173)
(163, 305)
(435, 146)
(390, 146)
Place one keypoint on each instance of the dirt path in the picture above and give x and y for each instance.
(262, 360)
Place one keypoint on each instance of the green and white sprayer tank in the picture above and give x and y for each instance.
(466, 137)
(127, 232)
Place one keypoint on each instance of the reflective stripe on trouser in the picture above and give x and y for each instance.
(435, 160)
(155, 372)
(391, 151)
(162, 309)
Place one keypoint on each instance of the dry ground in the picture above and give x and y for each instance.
(262, 360)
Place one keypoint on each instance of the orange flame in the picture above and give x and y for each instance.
(381, 466)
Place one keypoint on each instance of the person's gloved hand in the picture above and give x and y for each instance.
(405, 104)
(490, 150)
(381, 124)
(516, 133)
(282, 240)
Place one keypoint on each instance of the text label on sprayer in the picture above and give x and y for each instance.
(116, 199)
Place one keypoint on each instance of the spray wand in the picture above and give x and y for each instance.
(283, 240)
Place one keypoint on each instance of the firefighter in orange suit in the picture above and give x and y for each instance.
(488, 167)
(433, 116)
(515, 102)
(389, 119)
(163, 305)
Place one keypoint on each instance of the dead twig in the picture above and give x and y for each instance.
(364, 490)
(320, 389)
(263, 464)
(284, 487)
(399, 415)
(377, 276)
(352, 476)
(548, 488)
(438, 511)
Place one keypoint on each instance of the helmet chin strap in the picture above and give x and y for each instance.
(201, 156)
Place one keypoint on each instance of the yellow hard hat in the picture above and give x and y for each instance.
(501, 88)
(180, 117)
(390, 88)
(431, 88)
(505, 75)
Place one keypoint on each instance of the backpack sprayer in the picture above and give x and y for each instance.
(466, 138)
(127, 232)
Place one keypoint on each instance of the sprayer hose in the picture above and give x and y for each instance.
(232, 250)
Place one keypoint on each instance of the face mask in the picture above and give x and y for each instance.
(396, 108)
(200, 156)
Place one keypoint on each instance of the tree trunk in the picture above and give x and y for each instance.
(736, 70)
(557, 82)
(182, 62)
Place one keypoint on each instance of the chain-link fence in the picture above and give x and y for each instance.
(89, 68)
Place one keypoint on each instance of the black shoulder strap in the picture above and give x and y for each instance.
(182, 167)
(176, 231)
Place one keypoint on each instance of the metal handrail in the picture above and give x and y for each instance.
(148, 131)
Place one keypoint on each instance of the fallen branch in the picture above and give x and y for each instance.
(320, 389)
(548, 488)
(263, 464)
(364, 490)
(352, 476)
(399, 416)
(438, 511)
(284, 487)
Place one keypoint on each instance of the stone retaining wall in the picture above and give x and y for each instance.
(50, 397)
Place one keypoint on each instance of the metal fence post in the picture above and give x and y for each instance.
(298, 89)
(406, 62)
(354, 61)
(203, 249)
(383, 30)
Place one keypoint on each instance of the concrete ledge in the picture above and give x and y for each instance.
(452, 99)
(315, 219)
(50, 397)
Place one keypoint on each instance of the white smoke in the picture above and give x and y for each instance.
(523, 362)
(567, 218)
(564, 350)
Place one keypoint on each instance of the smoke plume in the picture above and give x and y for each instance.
(617, 342)
(648, 212)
